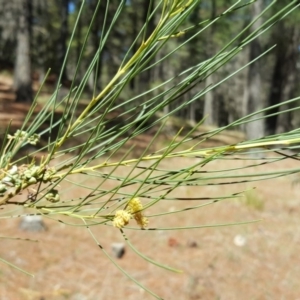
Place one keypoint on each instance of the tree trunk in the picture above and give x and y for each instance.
(284, 78)
(210, 106)
(22, 71)
(210, 111)
(94, 81)
(145, 77)
(253, 100)
(62, 42)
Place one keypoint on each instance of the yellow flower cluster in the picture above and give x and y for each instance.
(134, 205)
(121, 218)
(134, 209)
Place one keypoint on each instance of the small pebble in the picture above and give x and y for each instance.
(239, 240)
(118, 250)
(192, 244)
(32, 223)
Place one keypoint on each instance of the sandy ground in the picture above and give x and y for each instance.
(253, 261)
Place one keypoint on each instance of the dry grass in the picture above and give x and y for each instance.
(68, 265)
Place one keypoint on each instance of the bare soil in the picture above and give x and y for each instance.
(253, 261)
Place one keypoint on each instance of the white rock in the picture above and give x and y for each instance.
(239, 240)
(32, 223)
(118, 250)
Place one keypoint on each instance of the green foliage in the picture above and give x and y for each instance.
(110, 121)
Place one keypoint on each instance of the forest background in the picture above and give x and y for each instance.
(35, 35)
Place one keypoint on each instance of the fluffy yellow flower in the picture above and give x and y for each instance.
(135, 207)
(121, 218)
(141, 220)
